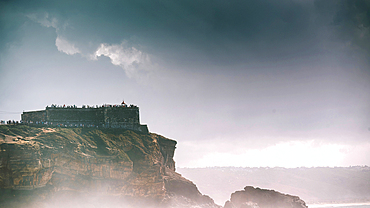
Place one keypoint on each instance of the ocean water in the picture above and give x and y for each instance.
(357, 205)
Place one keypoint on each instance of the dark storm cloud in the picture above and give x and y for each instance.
(10, 23)
(352, 22)
(222, 32)
(198, 35)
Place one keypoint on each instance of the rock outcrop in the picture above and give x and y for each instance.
(252, 197)
(87, 167)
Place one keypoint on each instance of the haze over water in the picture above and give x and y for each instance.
(352, 205)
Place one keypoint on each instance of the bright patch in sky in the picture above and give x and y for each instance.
(128, 58)
(66, 47)
(285, 154)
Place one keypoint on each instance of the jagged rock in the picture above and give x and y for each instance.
(180, 190)
(252, 197)
(87, 167)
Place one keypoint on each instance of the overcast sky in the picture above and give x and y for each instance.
(236, 83)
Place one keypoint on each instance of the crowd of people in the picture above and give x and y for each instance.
(58, 124)
(96, 106)
(10, 122)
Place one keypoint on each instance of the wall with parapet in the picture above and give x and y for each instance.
(75, 115)
(105, 116)
(34, 116)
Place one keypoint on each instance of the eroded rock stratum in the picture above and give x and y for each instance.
(87, 167)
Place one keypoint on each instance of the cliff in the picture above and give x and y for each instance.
(88, 167)
(252, 197)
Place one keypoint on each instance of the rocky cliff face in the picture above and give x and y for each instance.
(86, 167)
(252, 197)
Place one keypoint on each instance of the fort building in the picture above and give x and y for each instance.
(105, 116)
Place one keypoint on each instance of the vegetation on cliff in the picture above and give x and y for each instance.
(41, 166)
